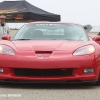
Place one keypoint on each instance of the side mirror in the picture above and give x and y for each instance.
(97, 39)
(6, 37)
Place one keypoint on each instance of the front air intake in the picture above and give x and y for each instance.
(43, 52)
(42, 72)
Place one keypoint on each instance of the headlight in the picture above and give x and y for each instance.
(4, 49)
(89, 49)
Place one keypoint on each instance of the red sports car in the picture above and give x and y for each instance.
(50, 51)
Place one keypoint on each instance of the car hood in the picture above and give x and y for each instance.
(46, 45)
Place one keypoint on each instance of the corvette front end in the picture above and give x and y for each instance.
(58, 66)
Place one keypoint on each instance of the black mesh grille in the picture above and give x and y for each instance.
(42, 72)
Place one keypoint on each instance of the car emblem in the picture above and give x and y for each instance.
(43, 56)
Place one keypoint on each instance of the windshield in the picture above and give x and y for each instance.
(49, 31)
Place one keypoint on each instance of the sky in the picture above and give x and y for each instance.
(76, 11)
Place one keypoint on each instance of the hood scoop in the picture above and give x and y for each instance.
(43, 52)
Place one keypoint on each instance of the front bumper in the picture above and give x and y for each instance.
(77, 63)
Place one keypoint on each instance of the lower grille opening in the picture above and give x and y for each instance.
(42, 72)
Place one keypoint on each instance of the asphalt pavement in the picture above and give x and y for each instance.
(49, 91)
